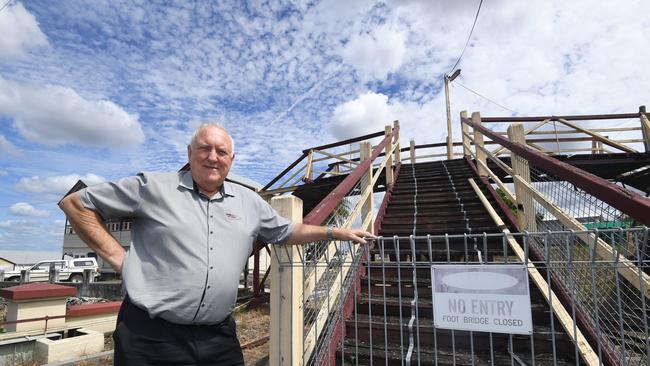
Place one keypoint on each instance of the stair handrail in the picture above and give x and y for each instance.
(306, 152)
(631, 203)
(332, 271)
(325, 207)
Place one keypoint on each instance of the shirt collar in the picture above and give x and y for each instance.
(186, 181)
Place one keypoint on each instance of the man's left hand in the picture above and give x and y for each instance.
(356, 235)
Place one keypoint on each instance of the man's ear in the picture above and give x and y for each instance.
(233, 157)
(189, 152)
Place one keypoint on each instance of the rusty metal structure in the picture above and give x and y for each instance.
(570, 207)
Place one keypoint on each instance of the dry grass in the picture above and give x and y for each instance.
(253, 324)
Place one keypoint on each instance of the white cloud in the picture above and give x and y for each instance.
(371, 112)
(377, 53)
(13, 224)
(20, 32)
(7, 147)
(25, 209)
(368, 113)
(55, 115)
(56, 185)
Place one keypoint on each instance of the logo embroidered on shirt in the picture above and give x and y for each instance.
(232, 216)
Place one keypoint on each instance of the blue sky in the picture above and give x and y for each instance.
(103, 89)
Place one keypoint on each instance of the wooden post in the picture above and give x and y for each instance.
(594, 146)
(366, 182)
(465, 131)
(525, 207)
(645, 128)
(412, 151)
(478, 143)
(286, 292)
(309, 167)
(389, 157)
(450, 143)
(398, 152)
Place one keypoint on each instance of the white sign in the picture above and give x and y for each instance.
(482, 298)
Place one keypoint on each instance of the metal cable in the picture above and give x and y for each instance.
(414, 302)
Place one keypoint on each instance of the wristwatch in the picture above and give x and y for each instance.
(329, 233)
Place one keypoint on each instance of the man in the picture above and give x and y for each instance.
(192, 235)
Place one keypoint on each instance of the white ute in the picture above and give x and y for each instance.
(69, 270)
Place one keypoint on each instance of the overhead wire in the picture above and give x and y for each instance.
(468, 38)
(484, 97)
(5, 5)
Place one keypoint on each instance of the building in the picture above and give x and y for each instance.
(15, 259)
(74, 247)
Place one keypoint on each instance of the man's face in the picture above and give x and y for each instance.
(210, 158)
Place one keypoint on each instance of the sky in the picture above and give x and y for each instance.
(105, 89)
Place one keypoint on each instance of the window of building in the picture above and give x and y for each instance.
(126, 225)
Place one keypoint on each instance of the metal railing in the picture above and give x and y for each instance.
(548, 195)
(381, 286)
(318, 288)
(551, 195)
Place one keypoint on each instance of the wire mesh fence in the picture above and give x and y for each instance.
(381, 306)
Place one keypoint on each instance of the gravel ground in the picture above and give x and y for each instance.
(253, 324)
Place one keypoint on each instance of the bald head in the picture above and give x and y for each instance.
(219, 126)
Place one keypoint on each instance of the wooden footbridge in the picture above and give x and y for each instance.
(564, 197)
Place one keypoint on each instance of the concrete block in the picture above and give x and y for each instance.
(83, 342)
(30, 309)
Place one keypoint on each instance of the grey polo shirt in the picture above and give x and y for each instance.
(188, 250)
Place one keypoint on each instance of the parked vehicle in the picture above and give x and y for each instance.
(69, 270)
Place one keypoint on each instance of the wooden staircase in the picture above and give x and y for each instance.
(377, 332)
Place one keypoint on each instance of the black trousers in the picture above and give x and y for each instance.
(140, 340)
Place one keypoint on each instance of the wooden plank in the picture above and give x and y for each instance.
(561, 132)
(412, 151)
(293, 175)
(277, 191)
(334, 156)
(498, 161)
(367, 206)
(389, 149)
(499, 183)
(561, 314)
(625, 267)
(600, 137)
(478, 142)
(396, 142)
(530, 130)
(645, 130)
(465, 133)
(310, 166)
(525, 207)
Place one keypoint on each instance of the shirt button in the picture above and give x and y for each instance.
(202, 305)
(210, 267)
(208, 286)
(211, 232)
(211, 216)
(211, 248)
